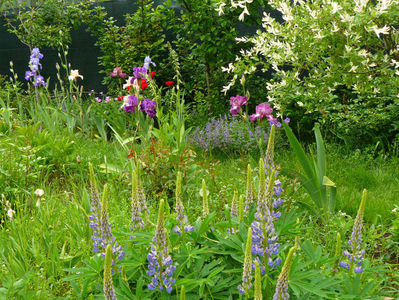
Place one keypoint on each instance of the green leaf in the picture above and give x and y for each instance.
(328, 182)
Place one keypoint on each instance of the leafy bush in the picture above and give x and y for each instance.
(127, 45)
(203, 34)
(46, 23)
(342, 70)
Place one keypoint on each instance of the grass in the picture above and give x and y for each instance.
(354, 172)
(42, 242)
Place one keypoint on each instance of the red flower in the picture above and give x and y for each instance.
(169, 83)
(120, 97)
(144, 84)
(128, 88)
(152, 74)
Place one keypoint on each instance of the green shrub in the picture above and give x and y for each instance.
(336, 61)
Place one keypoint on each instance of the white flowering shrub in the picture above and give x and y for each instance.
(336, 61)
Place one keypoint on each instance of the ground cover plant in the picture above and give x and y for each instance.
(115, 195)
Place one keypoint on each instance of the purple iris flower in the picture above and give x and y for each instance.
(149, 107)
(236, 103)
(147, 62)
(139, 72)
(263, 110)
(29, 74)
(130, 103)
(39, 80)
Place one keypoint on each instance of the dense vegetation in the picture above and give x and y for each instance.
(163, 187)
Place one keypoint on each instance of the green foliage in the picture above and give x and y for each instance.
(47, 23)
(320, 187)
(34, 154)
(342, 71)
(45, 244)
(127, 45)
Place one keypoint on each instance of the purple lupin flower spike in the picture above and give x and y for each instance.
(109, 290)
(264, 238)
(281, 292)
(95, 209)
(181, 218)
(355, 257)
(249, 196)
(246, 284)
(107, 238)
(160, 266)
(99, 222)
(137, 207)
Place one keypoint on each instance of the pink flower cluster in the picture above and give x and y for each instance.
(263, 110)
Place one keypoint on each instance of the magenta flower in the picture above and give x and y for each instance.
(263, 110)
(236, 103)
(117, 72)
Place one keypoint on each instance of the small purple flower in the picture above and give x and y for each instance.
(29, 74)
(139, 72)
(344, 265)
(130, 103)
(358, 269)
(149, 107)
(36, 53)
(287, 120)
(39, 80)
(189, 228)
(147, 62)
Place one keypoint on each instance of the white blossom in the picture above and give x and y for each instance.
(219, 9)
(38, 193)
(383, 5)
(360, 5)
(378, 31)
(242, 15)
(74, 75)
(335, 7)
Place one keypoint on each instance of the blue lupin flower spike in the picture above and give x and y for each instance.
(109, 291)
(355, 257)
(107, 238)
(246, 284)
(95, 209)
(264, 238)
(181, 218)
(281, 292)
(160, 266)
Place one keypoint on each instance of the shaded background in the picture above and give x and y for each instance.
(82, 52)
